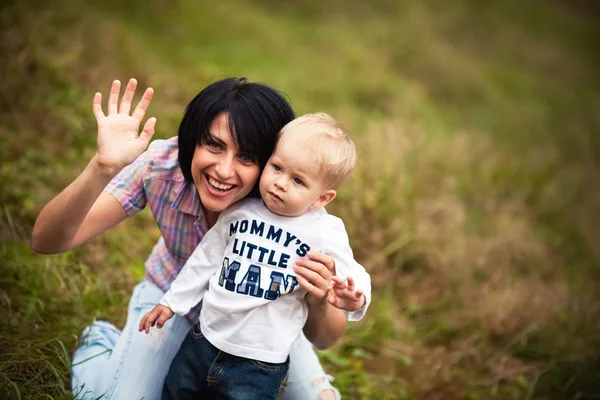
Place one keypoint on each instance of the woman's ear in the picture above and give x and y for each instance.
(324, 198)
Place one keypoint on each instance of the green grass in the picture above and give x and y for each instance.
(474, 203)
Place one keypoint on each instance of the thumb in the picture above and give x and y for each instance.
(148, 131)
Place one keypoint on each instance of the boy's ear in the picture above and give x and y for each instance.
(325, 198)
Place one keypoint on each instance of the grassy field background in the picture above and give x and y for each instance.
(475, 203)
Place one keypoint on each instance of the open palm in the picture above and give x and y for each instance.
(119, 141)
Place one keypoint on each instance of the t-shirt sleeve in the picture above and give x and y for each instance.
(188, 289)
(128, 186)
(337, 245)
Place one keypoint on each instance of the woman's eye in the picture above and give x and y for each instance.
(298, 181)
(214, 145)
(246, 158)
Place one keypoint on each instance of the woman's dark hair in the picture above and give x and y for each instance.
(256, 112)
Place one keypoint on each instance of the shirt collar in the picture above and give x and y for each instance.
(187, 200)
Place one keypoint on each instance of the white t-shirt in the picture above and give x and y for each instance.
(254, 306)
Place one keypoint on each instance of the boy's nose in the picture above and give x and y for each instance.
(280, 184)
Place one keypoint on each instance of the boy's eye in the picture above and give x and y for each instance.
(276, 167)
(298, 181)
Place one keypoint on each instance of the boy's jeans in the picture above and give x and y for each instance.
(200, 370)
(132, 365)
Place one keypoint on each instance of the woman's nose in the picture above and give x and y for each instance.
(225, 167)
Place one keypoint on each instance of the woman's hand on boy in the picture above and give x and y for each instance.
(118, 141)
(314, 274)
(345, 296)
(159, 315)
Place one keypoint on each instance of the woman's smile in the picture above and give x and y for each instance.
(215, 184)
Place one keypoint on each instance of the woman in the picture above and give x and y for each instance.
(224, 140)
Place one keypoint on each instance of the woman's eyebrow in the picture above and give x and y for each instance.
(217, 139)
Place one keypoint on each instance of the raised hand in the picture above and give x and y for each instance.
(159, 315)
(345, 296)
(119, 141)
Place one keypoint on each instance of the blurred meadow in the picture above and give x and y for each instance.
(475, 204)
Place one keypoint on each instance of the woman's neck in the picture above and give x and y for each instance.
(211, 217)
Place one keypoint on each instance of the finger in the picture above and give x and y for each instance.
(359, 293)
(144, 325)
(97, 106)
(315, 278)
(339, 282)
(113, 98)
(161, 321)
(144, 322)
(149, 321)
(148, 131)
(324, 259)
(142, 106)
(310, 288)
(345, 294)
(128, 96)
(351, 283)
(315, 266)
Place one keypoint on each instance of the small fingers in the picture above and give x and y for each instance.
(145, 323)
(163, 317)
(128, 97)
(350, 281)
(351, 284)
(113, 98)
(339, 282)
(97, 106)
(142, 106)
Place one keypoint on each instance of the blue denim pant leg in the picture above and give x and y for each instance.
(132, 365)
(128, 364)
(200, 370)
(306, 378)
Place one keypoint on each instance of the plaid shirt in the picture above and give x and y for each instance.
(155, 178)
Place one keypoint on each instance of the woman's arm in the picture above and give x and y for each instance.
(83, 210)
(77, 214)
(325, 323)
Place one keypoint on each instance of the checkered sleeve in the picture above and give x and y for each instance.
(128, 186)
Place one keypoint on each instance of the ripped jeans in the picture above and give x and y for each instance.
(132, 365)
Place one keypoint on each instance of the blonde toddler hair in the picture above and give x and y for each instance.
(326, 140)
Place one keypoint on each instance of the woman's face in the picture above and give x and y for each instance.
(221, 173)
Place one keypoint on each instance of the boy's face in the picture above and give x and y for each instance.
(292, 180)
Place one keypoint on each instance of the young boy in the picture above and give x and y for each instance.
(253, 309)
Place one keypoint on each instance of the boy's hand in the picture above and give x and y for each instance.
(345, 296)
(119, 140)
(314, 274)
(159, 315)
